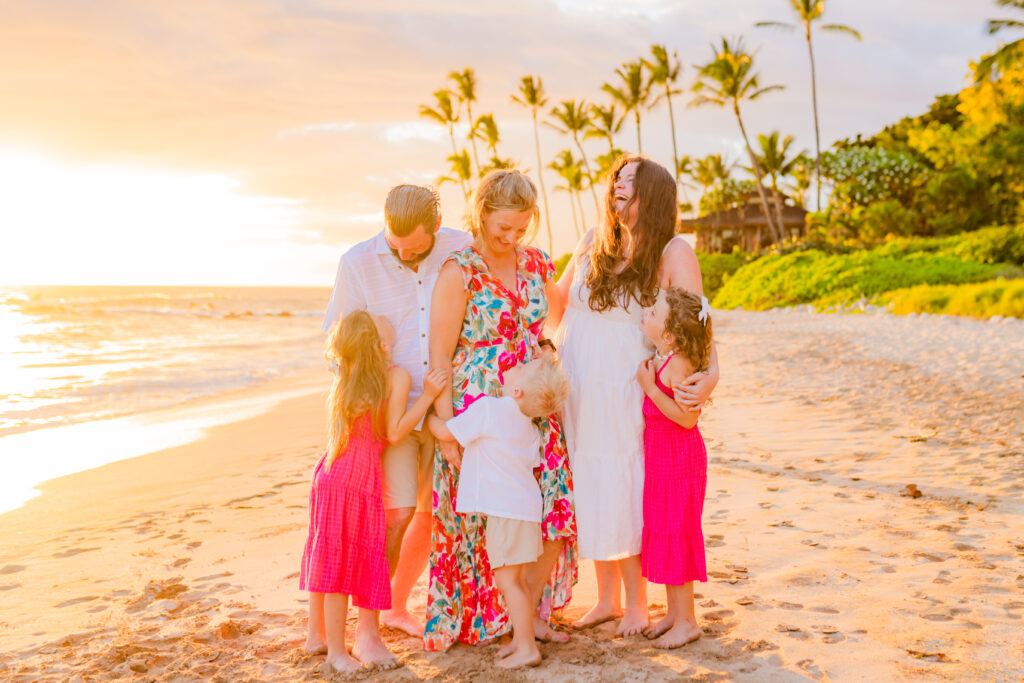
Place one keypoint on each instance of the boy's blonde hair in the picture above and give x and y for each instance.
(546, 387)
(409, 206)
(500, 190)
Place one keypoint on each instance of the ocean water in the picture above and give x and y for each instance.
(98, 358)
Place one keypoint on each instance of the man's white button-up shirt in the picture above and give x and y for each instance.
(371, 278)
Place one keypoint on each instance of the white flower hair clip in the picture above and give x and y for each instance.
(705, 310)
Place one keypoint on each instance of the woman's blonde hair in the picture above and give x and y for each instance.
(360, 387)
(500, 190)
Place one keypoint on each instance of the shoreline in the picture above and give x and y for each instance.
(184, 562)
(138, 435)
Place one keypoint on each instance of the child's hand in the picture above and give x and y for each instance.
(645, 376)
(435, 381)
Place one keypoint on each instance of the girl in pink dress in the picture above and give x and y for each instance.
(675, 461)
(345, 552)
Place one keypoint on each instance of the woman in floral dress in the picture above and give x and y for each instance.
(487, 315)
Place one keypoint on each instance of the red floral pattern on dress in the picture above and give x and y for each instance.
(499, 330)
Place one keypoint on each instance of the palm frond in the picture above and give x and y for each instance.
(776, 24)
(840, 28)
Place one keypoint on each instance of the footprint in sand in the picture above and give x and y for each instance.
(824, 610)
(933, 616)
(73, 551)
(13, 569)
(75, 601)
(194, 544)
(714, 541)
(10, 587)
(789, 605)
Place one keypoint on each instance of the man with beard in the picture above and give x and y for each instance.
(393, 275)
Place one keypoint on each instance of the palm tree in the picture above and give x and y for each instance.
(727, 80)
(461, 171)
(809, 11)
(776, 162)
(665, 72)
(532, 96)
(1008, 52)
(445, 114)
(710, 171)
(572, 116)
(803, 175)
(486, 129)
(605, 123)
(633, 94)
(572, 173)
(465, 88)
(684, 169)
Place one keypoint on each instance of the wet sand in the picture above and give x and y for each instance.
(823, 565)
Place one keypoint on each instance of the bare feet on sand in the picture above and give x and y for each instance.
(680, 634)
(520, 658)
(371, 650)
(660, 626)
(315, 646)
(634, 621)
(403, 621)
(598, 614)
(543, 632)
(343, 664)
(507, 646)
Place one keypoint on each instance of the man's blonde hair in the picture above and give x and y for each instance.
(500, 190)
(409, 206)
(546, 387)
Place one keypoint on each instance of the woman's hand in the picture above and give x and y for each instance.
(452, 452)
(693, 392)
(645, 376)
(435, 381)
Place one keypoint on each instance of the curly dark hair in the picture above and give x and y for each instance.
(654, 189)
(692, 337)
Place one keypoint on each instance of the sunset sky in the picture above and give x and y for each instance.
(249, 141)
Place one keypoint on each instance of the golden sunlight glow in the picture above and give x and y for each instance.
(75, 223)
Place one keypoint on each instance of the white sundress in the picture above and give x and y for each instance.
(603, 420)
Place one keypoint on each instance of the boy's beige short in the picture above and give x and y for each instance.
(512, 541)
(409, 472)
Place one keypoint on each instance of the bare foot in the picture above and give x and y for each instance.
(403, 621)
(598, 614)
(315, 646)
(370, 649)
(660, 626)
(682, 633)
(634, 621)
(507, 646)
(543, 632)
(520, 658)
(343, 664)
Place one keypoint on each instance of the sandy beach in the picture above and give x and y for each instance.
(823, 564)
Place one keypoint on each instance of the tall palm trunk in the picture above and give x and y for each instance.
(757, 174)
(639, 147)
(472, 138)
(590, 174)
(583, 216)
(575, 220)
(455, 152)
(543, 191)
(817, 132)
(672, 123)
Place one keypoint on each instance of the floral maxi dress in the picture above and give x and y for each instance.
(500, 329)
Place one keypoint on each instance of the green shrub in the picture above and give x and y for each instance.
(979, 300)
(560, 263)
(716, 268)
(829, 279)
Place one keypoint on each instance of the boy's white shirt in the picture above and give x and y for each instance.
(502, 446)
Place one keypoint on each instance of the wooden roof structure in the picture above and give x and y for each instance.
(745, 224)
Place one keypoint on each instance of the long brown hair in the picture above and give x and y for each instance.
(360, 387)
(654, 190)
